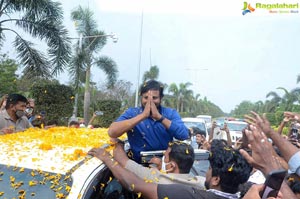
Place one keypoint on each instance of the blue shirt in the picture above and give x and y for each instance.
(150, 135)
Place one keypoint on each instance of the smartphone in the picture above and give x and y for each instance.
(273, 183)
(28, 111)
(98, 113)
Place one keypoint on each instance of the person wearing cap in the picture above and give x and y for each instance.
(13, 118)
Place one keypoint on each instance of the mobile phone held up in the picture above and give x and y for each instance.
(273, 183)
(98, 113)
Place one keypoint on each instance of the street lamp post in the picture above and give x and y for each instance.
(139, 64)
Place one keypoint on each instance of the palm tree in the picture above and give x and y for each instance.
(42, 20)
(151, 74)
(181, 94)
(186, 95)
(92, 44)
(286, 102)
(274, 102)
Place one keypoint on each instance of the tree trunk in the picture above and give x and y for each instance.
(87, 96)
(178, 104)
(75, 110)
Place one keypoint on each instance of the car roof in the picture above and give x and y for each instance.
(192, 119)
(204, 116)
(236, 122)
(55, 150)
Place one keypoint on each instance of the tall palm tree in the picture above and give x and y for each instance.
(186, 95)
(274, 102)
(40, 19)
(181, 93)
(87, 56)
(286, 102)
(151, 74)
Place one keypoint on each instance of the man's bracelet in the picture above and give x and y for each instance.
(161, 119)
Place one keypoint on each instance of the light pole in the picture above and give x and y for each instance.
(139, 63)
(195, 71)
(80, 38)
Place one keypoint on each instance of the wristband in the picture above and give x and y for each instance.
(161, 119)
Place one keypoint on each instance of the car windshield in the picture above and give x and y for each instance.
(236, 126)
(201, 126)
(205, 118)
(33, 183)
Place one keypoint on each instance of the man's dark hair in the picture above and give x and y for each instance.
(230, 166)
(152, 85)
(196, 131)
(52, 122)
(14, 99)
(74, 123)
(183, 155)
(295, 186)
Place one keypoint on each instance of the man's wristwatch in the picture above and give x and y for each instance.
(161, 119)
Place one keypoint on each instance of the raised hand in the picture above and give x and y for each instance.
(292, 116)
(260, 122)
(99, 153)
(263, 156)
(154, 112)
(147, 109)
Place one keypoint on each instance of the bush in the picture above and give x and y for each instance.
(285, 130)
(55, 99)
(111, 111)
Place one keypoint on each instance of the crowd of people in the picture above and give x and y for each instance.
(17, 113)
(236, 170)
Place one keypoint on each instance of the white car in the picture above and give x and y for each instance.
(52, 164)
(26, 172)
(45, 166)
(235, 129)
(207, 119)
(196, 122)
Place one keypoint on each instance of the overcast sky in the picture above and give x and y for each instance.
(227, 56)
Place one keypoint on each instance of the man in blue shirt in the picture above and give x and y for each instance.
(151, 126)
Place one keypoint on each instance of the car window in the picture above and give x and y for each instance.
(33, 183)
(200, 168)
(201, 126)
(236, 126)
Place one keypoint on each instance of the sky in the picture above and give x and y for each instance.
(227, 56)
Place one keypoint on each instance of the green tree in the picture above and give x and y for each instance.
(285, 103)
(43, 20)
(8, 77)
(243, 108)
(92, 43)
(55, 99)
(181, 94)
(274, 102)
(153, 73)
